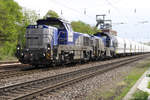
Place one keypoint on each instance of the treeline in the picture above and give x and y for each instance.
(10, 18)
(78, 26)
(13, 22)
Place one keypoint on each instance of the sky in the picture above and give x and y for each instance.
(134, 14)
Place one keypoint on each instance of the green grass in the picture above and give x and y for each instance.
(7, 58)
(131, 79)
(140, 95)
(7, 51)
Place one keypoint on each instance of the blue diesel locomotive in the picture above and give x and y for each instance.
(52, 41)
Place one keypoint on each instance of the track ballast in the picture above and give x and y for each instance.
(29, 90)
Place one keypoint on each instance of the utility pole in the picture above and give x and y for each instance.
(84, 11)
(100, 21)
(61, 12)
(104, 24)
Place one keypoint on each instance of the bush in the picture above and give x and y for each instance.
(7, 51)
(140, 95)
(79, 26)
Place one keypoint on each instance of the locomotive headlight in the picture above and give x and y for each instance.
(48, 47)
(31, 54)
(44, 54)
(22, 54)
(18, 47)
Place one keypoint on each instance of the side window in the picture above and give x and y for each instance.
(78, 41)
(67, 27)
(70, 27)
(86, 41)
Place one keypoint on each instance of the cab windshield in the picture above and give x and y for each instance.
(51, 22)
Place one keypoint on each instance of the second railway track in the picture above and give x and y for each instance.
(20, 71)
(29, 90)
(23, 71)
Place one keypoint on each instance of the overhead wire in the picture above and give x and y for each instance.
(109, 3)
(84, 10)
(123, 16)
(72, 9)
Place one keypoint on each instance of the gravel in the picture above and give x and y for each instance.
(76, 91)
(81, 90)
(48, 72)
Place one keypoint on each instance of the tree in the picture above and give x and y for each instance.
(13, 22)
(10, 18)
(82, 27)
(77, 26)
(29, 18)
(51, 13)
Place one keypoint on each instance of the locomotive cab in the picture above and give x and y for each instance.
(65, 33)
(109, 42)
(38, 45)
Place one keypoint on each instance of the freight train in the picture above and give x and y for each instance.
(53, 41)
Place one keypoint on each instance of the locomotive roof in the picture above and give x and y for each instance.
(50, 19)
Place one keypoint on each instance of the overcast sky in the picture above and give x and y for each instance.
(131, 12)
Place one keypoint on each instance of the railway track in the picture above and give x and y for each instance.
(13, 71)
(10, 65)
(9, 62)
(29, 90)
(17, 72)
(26, 70)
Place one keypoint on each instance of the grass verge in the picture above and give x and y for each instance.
(140, 95)
(117, 89)
(131, 79)
(7, 58)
